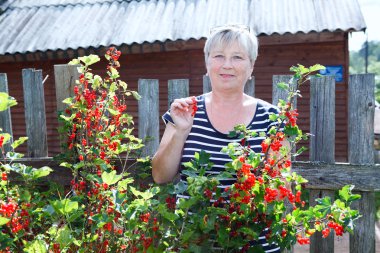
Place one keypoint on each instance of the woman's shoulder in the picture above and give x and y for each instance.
(265, 106)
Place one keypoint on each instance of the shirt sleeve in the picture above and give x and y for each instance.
(167, 118)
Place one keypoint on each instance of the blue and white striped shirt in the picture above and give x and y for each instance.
(203, 136)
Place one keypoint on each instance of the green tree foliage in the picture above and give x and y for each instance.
(357, 62)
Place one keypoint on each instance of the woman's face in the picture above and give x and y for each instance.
(229, 67)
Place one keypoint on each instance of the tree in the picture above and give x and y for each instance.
(357, 62)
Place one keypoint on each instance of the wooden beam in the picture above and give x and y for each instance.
(335, 176)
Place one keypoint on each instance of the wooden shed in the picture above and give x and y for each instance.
(164, 39)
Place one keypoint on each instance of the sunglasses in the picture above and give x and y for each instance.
(239, 27)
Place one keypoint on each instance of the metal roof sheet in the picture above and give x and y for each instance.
(41, 25)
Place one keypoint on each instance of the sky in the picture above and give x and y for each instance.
(371, 12)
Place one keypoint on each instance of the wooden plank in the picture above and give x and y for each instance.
(249, 87)
(206, 84)
(361, 107)
(65, 77)
(35, 116)
(149, 115)
(335, 176)
(322, 144)
(277, 93)
(177, 88)
(5, 116)
(65, 81)
(322, 119)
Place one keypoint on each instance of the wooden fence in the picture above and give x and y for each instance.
(324, 174)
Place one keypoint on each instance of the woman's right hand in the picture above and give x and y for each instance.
(181, 111)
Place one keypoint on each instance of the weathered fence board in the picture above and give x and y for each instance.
(149, 115)
(35, 116)
(334, 176)
(322, 144)
(361, 102)
(278, 94)
(322, 119)
(177, 88)
(65, 77)
(5, 116)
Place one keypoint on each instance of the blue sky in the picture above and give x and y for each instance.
(371, 11)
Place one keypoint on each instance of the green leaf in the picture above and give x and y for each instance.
(18, 142)
(346, 193)
(111, 178)
(6, 137)
(3, 220)
(64, 237)
(97, 81)
(25, 196)
(65, 206)
(148, 194)
(123, 184)
(6, 101)
(68, 101)
(36, 246)
(123, 85)
(317, 67)
(273, 117)
(136, 95)
(90, 59)
(74, 62)
(66, 165)
(113, 112)
(41, 172)
(114, 73)
(283, 86)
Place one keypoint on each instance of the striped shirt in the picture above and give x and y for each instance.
(203, 136)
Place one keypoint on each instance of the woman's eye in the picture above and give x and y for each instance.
(218, 56)
(238, 57)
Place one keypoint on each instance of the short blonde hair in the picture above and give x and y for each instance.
(225, 35)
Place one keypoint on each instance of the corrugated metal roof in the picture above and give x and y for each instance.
(41, 25)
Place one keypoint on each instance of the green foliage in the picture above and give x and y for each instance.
(111, 208)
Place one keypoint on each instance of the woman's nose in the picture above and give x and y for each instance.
(227, 63)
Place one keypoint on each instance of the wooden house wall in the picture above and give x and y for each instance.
(276, 55)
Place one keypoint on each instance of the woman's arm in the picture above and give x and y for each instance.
(166, 161)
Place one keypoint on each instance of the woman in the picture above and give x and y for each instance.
(230, 54)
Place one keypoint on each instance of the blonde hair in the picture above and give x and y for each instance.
(228, 34)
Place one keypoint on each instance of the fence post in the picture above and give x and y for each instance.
(149, 115)
(278, 94)
(5, 116)
(177, 88)
(35, 116)
(65, 77)
(206, 84)
(322, 144)
(361, 109)
(249, 87)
